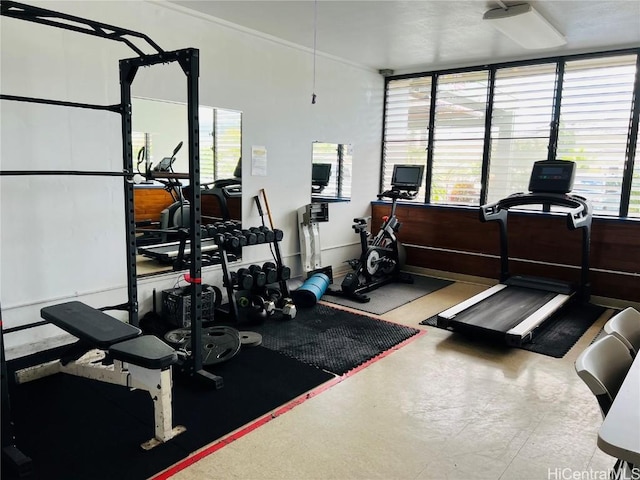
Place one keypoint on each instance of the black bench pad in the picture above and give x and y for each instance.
(146, 351)
(89, 324)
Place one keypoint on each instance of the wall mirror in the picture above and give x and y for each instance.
(331, 172)
(160, 142)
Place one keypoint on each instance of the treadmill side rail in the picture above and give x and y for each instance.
(523, 332)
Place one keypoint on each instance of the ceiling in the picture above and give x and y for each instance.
(412, 36)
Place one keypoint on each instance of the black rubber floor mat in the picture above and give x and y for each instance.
(332, 339)
(76, 429)
(390, 296)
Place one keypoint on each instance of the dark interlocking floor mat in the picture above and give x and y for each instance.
(74, 428)
(390, 296)
(78, 429)
(332, 339)
(556, 337)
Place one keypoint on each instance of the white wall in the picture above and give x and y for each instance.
(62, 238)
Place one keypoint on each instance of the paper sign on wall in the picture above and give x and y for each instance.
(259, 160)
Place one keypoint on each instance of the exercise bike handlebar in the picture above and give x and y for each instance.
(398, 194)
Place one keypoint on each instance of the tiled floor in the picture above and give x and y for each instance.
(439, 407)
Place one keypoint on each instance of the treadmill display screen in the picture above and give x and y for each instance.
(552, 176)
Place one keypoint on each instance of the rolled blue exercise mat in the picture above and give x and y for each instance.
(311, 290)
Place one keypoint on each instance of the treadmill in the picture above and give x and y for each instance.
(513, 309)
(170, 251)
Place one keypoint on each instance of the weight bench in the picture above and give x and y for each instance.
(109, 350)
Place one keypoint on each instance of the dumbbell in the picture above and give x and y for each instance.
(230, 225)
(269, 236)
(212, 230)
(237, 234)
(231, 241)
(221, 227)
(259, 277)
(275, 302)
(288, 309)
(279, 234)
(252, 306)
(270, 270)
(260, 237)
(243, 238)
(252, 238)
(243, 279)
(282, 272)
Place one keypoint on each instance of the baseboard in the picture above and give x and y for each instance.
(456, 277)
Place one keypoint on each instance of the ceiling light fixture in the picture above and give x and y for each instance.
(525, 26)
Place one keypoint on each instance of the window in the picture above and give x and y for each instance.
(338, 156)
(522, 113)
(577, 108)
(458, 141)
(634, 201)
(220, 143)
(220, 136)
(594, 125)
(406, 131)
(141, 148)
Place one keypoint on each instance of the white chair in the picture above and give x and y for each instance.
(603, 366)
(626, 327)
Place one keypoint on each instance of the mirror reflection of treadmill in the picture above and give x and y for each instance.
(512, 310)
(169, 251)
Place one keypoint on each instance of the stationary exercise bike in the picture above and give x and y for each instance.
(382, 256)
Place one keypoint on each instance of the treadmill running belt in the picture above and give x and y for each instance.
(504, 310)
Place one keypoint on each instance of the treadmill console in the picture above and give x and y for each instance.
(552, 176)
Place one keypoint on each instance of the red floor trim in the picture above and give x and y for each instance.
(232, 437)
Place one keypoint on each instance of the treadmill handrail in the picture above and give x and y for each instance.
(579, 215)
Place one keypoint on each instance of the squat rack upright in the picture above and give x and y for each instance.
(188, 59)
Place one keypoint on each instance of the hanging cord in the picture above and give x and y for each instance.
(315, 38)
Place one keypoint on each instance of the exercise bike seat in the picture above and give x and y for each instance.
(89, 324)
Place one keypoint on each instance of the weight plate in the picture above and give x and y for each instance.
(219, 344)
(178, 338)
(250, 339)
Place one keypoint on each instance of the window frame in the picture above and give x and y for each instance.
(554, 127)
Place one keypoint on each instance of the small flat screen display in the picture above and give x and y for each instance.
(320, 173)
(407, 177)
(552, 176)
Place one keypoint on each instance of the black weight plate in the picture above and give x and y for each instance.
(178, 338)
(250, 339)
(219, 344)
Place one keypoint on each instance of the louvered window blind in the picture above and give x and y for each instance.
(220, 142)
(406, 126)
(339, 156)
(520, 126)
(578, 108)
(461, 102)
(634, 200)
(594, 126)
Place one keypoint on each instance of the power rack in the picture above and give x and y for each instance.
(188, 59)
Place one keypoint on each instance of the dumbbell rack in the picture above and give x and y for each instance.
(230, 310)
